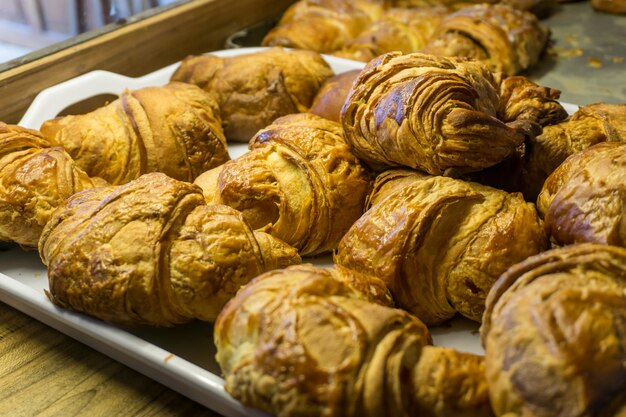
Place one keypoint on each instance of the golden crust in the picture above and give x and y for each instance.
(299, 182)
(300, 341)
(331, 96)
(555, 334)
(173, 129)
(439, 115)
(35, 178)
(254, 89)
(505, 39)
(584, 199)
(152, 252)
(440, 243)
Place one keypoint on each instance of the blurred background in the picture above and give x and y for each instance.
(29, 25)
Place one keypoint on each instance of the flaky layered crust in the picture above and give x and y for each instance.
(505, 39)
(256, 88)
(152, 252)
(299, 182)
(399, 29)
(440, 243)
(303, 341)
(35, 178)
(555, 334)
(584, 199)
(174, 129)
(440, 115)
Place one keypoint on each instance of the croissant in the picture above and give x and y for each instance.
(173, 129)
(398, 29)
(541, 155)
(505, 39)
(584, 199)
(35, 178)
(256, 88)
(440, 243)
(554, 333)
(323, 25)
(299, 182)
(439, 115)
(152, 252)
(306, 341)
(332, 95)
(609, 6)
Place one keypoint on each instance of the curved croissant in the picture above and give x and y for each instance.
(322, 26)
(505, 39)
(152, 252)
(299, 182)
(399, 29)
(554, 333)
(174, 129)
(318, 342)
(439, 115)
(584, 200)
(35, 178)
(440, 243)
(254, 89)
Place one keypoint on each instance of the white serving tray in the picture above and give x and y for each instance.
(181, 358)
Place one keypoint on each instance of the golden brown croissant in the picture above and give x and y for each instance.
(173, 129)
(440, 115)
(299, 182)
(399, 29)
(504, 38)
(584, 200)
(541, 155)
(332, 95)
(555, 334)
(152, 252)
(440, 243)
(323, 25)
(35, 178)
(256, 88)
(303, 341)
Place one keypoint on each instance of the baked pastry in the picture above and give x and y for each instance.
(399, 29)
(322, 25)
(440, 243)
(584, 199)
(609, 6)
(174, 129)
(35, 178)
(256, 88)
(504, 38)
(554, 333)
(541, 155)
(152, 252)
(299, 182)
(440, 115)
(331, 96)
(304, 341)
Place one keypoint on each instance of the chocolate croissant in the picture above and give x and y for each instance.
(35, 179)
(440, 115)
(152, 252)
(440, 243)
(254, 89)
(173, 129)
(299, 182)
(505, 39)
(307, 341)
(554, 334)
(399, 29)
(331, 96)
(584, 199)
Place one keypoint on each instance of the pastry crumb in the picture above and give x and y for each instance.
(566, 52)
(168, 357)
(617, 59)
(594, 62)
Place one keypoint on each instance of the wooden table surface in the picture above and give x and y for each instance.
(45, 373)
